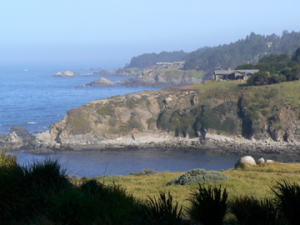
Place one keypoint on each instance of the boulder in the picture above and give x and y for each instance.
(245, 160)
(261, 161)
(65, 73)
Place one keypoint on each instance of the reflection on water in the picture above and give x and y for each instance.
(123, 162)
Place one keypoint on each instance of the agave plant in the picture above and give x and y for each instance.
(288, 200)
(161, 211)
(209, 205)
(250, 211)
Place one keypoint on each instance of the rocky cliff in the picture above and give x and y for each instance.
(212, 115)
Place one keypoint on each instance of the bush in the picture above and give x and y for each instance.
(198, 176)
(40, 193)
(209, 205)
(93, 203)
(25, 191)
(144, 172)
(161, 211)
(7, 160)
(288, 200)
(250, 211)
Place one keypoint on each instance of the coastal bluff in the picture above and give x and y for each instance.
(214, 114)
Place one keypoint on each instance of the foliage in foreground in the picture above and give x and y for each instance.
(251, 211)
(196, 176)
(288, 200)
(209, 205)
(160, 211)
(40, 193)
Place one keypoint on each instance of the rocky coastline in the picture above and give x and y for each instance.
(216, 144)
(181, 118)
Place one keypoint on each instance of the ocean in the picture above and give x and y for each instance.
(31, 97)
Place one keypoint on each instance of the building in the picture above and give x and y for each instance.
(233, 74)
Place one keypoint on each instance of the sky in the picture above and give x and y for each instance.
(114, 31)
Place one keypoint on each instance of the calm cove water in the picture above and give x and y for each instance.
(118, 162)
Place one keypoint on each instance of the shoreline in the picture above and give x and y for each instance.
(213, 144)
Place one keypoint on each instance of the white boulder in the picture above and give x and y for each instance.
(245, 160)
(261, 161)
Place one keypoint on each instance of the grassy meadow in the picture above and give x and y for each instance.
(250, 181)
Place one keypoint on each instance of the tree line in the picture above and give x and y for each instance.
(248, 50)
(275, 68)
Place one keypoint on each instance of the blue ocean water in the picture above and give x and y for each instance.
(31, 97)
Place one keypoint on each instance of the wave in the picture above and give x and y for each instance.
(30, 122)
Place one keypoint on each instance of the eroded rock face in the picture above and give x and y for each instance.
(65, 73)
(10, 142)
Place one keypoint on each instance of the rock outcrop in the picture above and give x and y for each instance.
(199, 117)
(19, 138)
(65, 73)
(103, 82)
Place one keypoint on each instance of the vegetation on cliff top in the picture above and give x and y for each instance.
(275, 69)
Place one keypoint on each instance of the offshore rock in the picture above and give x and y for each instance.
(65, 73)
(103, 82)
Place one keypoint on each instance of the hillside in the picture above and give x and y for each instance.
(248, 50)
(228, 115)
(165, 77)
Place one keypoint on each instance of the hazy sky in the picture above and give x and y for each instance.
(116, 30)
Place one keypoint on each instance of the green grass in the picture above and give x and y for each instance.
(40, 193)
(251, 181)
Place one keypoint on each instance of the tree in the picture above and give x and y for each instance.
(296, 56)
(260, 78)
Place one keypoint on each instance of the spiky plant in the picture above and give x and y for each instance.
(209, 205)
(161, 211)
(288, 200)
(250, 211)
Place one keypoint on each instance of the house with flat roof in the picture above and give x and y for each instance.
(233, 74)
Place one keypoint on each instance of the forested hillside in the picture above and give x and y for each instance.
(248, 50)
(147, 60)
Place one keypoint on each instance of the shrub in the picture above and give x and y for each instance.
(209, 205)
(161, 211)
(47, 174)
(7, 160)
(288, 200)
(250, 211)
(198, 176)
(25, 191)
(144, 172)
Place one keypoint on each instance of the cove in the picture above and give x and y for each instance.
(122, 162)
